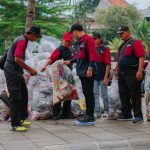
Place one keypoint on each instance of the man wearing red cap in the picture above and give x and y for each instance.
(62, 52)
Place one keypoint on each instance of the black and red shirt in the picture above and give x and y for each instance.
(103, 59)
(129, 53)
(17, 49)
(86, 54)
(62, 52)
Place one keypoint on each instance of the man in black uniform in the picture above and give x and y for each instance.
(129, 68)
(16, 85)
(86, 59)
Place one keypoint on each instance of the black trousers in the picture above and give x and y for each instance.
(66, 108)
(87, 86)
(130, 92)
(18, 98)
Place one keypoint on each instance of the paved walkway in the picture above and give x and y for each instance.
(63, 135)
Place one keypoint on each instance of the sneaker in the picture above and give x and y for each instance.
(97, 115)
(86, 119)
(105, 114)
(138, 119)
(19, 129)
(125, 118)
(25, 123)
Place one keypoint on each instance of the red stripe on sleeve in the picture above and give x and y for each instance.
(107, 57)
(138, 49)
(20, 48)
(90, 46)
(55, 55)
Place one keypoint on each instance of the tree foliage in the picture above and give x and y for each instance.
(13, 18)
(114, 44)
(83, 9)
(47, 16)
(113, 17)
(143, 33)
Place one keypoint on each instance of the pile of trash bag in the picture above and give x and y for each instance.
(45, 89)
(114, 99)
(147, 91)
(41, 95)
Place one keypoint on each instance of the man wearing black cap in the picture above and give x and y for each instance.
(129, 68)
(86, 58)
(16, 85)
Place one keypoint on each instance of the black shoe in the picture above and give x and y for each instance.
(125, 118)
(138, 119)
(86, 118)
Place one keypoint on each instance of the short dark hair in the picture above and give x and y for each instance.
(76, 26)
(96, 35)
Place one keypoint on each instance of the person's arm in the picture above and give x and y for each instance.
(72, 60)
(90, 46)
(54, 56)
(107, 62)
(23, 65)
(18, 54)
(117, 65)
(139, 52)
(139, 73)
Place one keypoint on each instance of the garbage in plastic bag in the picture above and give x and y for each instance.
(48, 44)
(147, 101)
(147, 71)
(2, 80)
(4, 111)
(114, 99)
(63, 83)
(76, 108)
(41, 106)
(147, 97)
(5, 98)
(43, 56)
(42, 96)
(32, 47)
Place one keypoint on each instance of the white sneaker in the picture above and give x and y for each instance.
(105, 115)
(97, 115)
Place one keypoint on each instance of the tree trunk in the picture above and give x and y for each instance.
(30, 14)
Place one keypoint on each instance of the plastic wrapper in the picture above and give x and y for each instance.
(114, 99)
(63, 83)
(4, 111)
